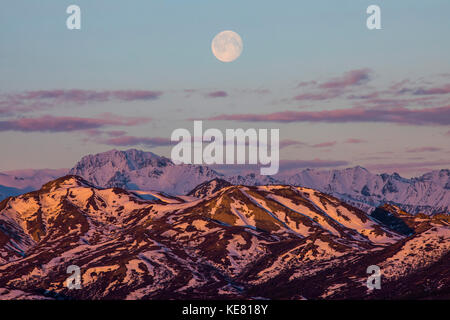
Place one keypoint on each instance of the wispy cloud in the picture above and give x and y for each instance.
(83, 96)
(335, 87)
(425, 116)
(123, 141)
(306, 83)
(405, 93)
(420, 87)
(217, 94)
(318, 96)
(293, 165)
(324, 144)
(109, 133)
(288, 142)
(355, 140)
(42, 99)
(433, 90)
(350, 78)
(50, 123)
(409, 166)
(423, 149)
(394, 102)
(285, 166)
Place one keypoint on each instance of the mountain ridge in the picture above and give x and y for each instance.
(139, 170)
(234, 243)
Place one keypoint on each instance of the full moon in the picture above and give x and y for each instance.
(227, 46)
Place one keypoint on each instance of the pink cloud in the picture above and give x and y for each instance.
(324, 144)
(399, 84)
(287, 142)
(259, 91)
(43, 99)
(315, 163)
(350, 78)
(115, 133)
(423, 149)
(84, 96)
(217, 94)
(110, 133)
(391, 103)
(434, 90)
(335, 87)
(49, 123)
(372, 95)
(317, 96)
(285, 166)
(353, 140)
(409, 166)
(133, 141)
(306, 84)
(135, 95)
(425, 116)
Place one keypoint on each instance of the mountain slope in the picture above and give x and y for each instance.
(234, 243)
(429, 193)
(135, 169)
(13, 183)
(138, 170)
(207, 188)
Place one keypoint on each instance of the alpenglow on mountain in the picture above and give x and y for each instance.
(138, 170)
(134, 169)
(239, 242)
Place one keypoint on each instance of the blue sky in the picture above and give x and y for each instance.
(164, 46)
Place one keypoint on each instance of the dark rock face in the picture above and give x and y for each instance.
(391, 221)
(365, 191)
(389, 188)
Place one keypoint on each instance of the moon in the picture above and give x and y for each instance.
(227, 46)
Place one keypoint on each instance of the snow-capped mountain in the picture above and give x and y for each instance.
(429, 193)
(135, 169)
(273, 242)
(208, 188)
(139, 170)
(13, 183)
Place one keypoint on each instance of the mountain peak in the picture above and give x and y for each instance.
(359, 168)
(135, 169)
(131, 159)
(209, 187)
(141, 170)
(242, 232)
(65, 182)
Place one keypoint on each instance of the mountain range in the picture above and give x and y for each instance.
(221, 241)
(138, 170)
(13, 183)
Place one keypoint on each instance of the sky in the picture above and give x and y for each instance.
(342, 95)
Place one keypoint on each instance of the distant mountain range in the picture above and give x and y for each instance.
(139, 170)
(220, 242)
(13, 183)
